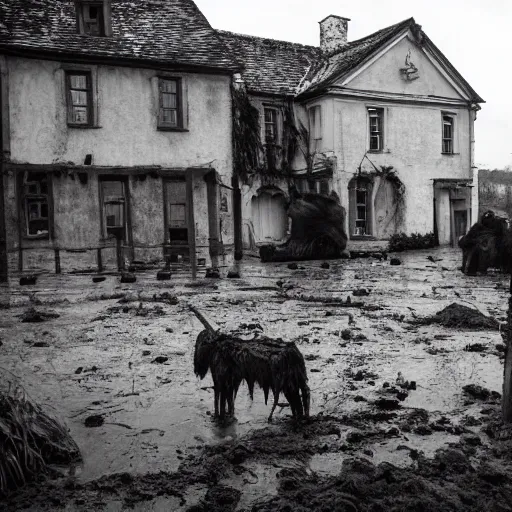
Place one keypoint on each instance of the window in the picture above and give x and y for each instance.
(36, 204)
(170, 104)
(447, 134)
(361, 226)
(376, 118)
(270, 119)
(113, 198)
(360, 208)
(79, 97)
(93, 17)
(315, 123)
(177, 212)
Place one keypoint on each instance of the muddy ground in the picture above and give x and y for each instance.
(122, 354)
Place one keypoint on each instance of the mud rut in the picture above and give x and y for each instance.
(374, 442)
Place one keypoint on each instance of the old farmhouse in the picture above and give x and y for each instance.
(133, 131)
(384, 122)
(116, 133)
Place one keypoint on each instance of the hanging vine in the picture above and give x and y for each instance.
(247, 144)
(388, 173)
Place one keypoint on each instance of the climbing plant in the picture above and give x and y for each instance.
(247, 144)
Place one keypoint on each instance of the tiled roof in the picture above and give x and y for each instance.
(170, 32)
(329, 68)
(271, 66)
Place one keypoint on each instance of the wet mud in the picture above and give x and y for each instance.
(403, 415)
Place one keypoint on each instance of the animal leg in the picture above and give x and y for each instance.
(216, 398)
(274, 405)
(222, 414)
(306, 398)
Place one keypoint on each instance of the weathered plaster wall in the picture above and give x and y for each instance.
(412, 140)
(126, 135)
(384, 74)
(128, 105)
(495, 192)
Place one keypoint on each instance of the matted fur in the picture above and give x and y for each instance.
(274, 365)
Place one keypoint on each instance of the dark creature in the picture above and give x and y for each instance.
(487, 244)
(274, 365)
(317, 229)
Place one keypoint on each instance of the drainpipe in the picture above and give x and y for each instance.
(473, 109)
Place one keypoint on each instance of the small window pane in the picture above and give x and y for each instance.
(78, 81)
(79, 115)
(113, 189)
(177, 192)
(44, 210)
(114, 215)
(177, 212)
(33, 210)
(169, 116)
(79, 98)
(169, 86)
(169, 100)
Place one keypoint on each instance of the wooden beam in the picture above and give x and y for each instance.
(191, 221)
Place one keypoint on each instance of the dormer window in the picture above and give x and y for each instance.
(93, 17)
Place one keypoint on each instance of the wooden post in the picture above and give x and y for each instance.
(119, 253)
(237, 218)
(191, 222)
(57, 261)
(99, 259)
(212, 194)
(507, 372)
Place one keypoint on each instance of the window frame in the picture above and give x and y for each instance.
(106, 18)
(315, 123)
(181, 124)
(90, 97)
(126, 206)
(444, 117)
(356, 184)
(275, 123)
(24, 197)
(379, 134)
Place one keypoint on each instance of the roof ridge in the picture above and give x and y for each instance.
(249, 36)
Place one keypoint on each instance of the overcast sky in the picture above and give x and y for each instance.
(473, 34)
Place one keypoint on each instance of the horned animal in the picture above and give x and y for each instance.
(274, 365)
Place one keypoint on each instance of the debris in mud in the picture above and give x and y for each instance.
(233, 274)
(250, 327)
(40, 344)
(96, 420)
(163, 275)
(28, 280)
(325, 265)
(388, 404)
(293, 266)
(212, 273)
(475, 347)
(98, 279)
(146, 352)
(160, 359)
(33, 315)
(128, 277)
(361, 292)
(219, 498)
(30, 438)
(459, 316)
(480, 393)
(79, 370)
(395, 261)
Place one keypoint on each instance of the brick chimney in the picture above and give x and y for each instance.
(333, 33)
